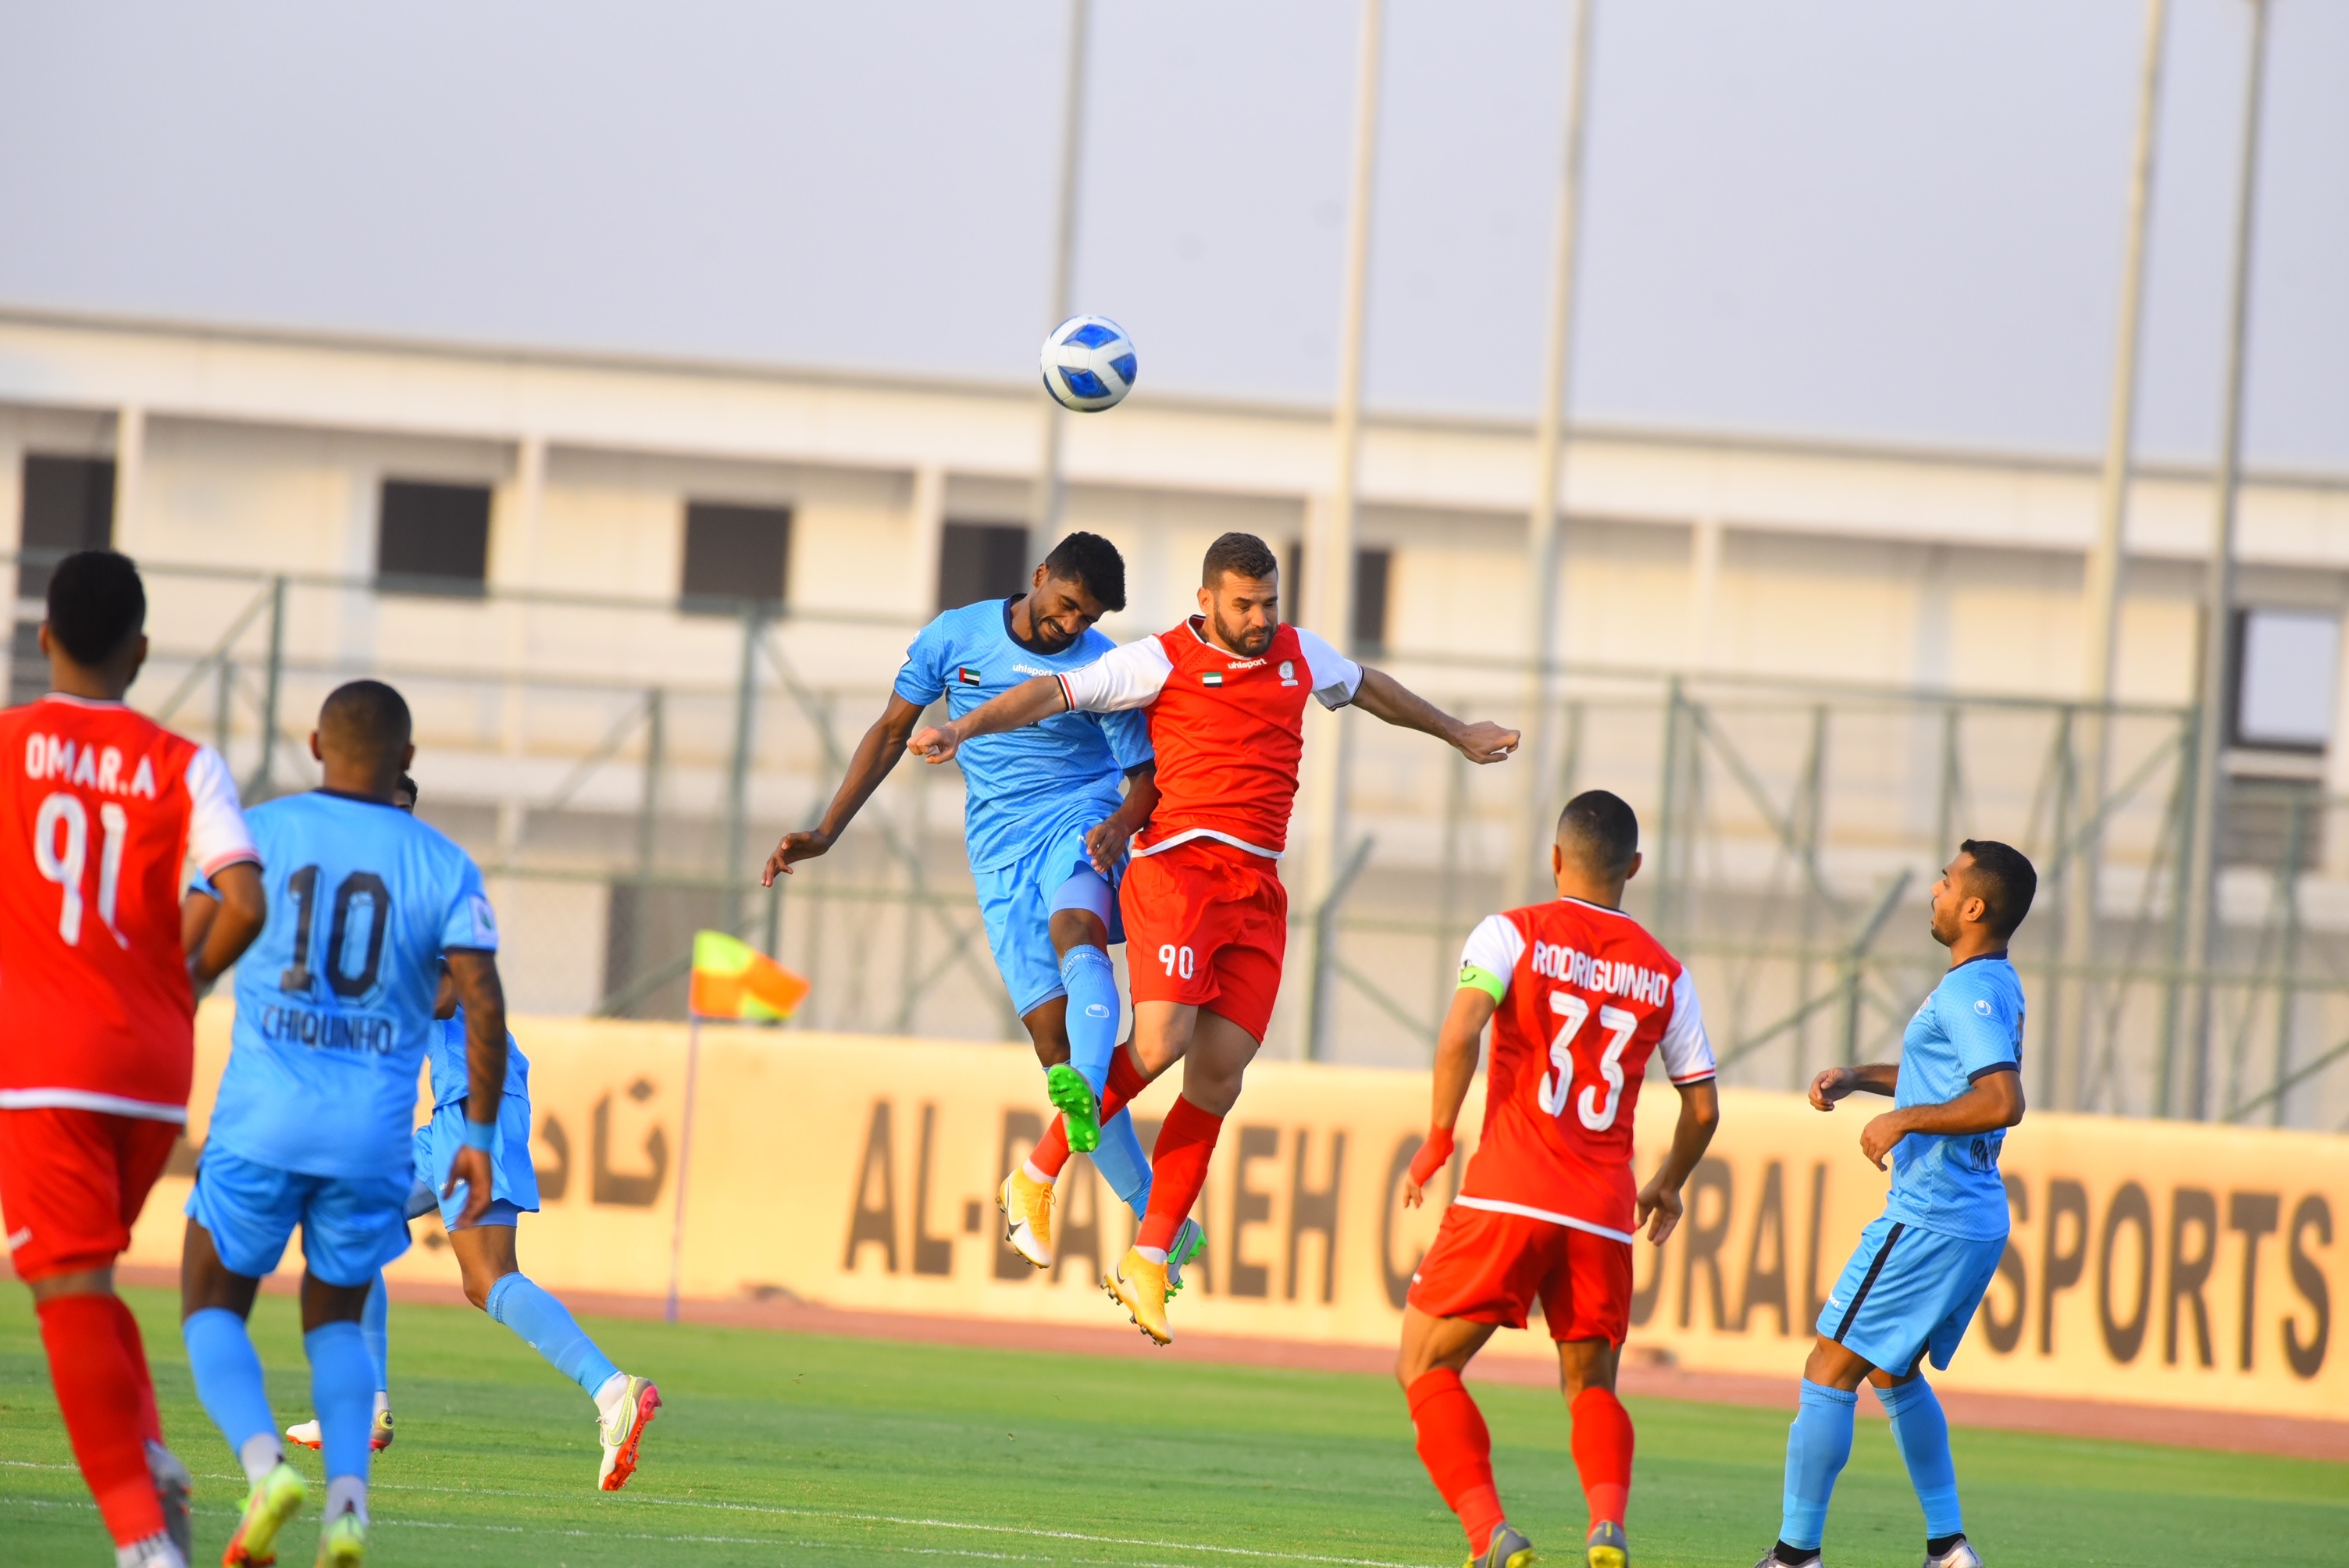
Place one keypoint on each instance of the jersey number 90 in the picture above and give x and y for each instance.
(1596, 1111)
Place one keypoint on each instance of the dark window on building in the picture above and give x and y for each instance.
(68, 506)
(1373, 570)
(432, 538)
(981, 561)
(733, 554)
(2286, 662)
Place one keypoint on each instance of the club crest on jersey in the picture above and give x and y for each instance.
(969, 677)
(1289, 671)
(1213, 678)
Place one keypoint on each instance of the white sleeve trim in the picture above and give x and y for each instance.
(1687, 1052)
(1336, 679)
(1128, 676)
(217, 836)
(1495, 946)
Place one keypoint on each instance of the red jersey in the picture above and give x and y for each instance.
(1587, 995)
(1227, 730)
(100, 809)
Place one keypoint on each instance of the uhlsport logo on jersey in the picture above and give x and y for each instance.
(968, 676)
(1982, 1005)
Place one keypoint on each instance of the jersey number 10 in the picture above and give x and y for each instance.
(1557, 1084)
(302, 887)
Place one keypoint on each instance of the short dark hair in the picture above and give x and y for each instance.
(1600, 827)
(365, 719)
(2004, 879)
(407, 786)
(1242, 553)
(1093, 563)
(97, 603)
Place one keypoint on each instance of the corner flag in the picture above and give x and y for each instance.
(731, 979)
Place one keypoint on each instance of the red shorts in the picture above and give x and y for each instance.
(1489, 1267)
(71, 1183)
(1207, 924)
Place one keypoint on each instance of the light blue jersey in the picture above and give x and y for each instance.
(1971, 1026)
(1023, 787)
(451, 1071)
(334, 1000)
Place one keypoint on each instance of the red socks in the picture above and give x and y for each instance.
(1602, 1452)
(108, 1404)
(1125, 1081)
(1178, 1171)
(1457, 1451)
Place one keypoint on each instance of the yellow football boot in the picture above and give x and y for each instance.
(343, 1543)
(1139, 1285)
(274, 1499)
(1027, 1205)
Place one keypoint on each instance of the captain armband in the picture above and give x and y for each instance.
(1476, 977)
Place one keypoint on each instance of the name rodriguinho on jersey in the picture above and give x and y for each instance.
(327, 1031)
(96, 768)
(1606, 977)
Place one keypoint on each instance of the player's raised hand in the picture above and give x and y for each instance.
(792, 849)
(1659, 1210)
(1485, 741)
(934, 743)
(1831, 1086)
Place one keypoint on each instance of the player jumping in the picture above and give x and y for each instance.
(100, 809)
(1579, 997)
(333, 1015)
(1921, 1267)
(1205, 915)
(1038, 807)
(486, 1260)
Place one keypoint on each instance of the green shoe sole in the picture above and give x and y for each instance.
(1073, 1097)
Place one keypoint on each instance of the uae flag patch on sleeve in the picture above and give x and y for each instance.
(1213, 678)
(968, 676)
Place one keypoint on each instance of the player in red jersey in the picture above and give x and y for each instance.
(1206, 919)
(100, 809)
(1579, 997)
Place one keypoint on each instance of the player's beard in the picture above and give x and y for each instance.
(1248, 647)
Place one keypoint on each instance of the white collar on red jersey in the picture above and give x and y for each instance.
(1585, 904)
(72, 701)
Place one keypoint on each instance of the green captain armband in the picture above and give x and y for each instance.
(1475, 977)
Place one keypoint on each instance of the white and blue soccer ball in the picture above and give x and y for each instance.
(1087, 364)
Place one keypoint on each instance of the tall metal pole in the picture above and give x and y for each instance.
(1330, 553)
(1044, 511)
(2107, 569)
(2204, 926)
(1545, 527)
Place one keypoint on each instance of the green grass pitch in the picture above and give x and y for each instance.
(782, 1448)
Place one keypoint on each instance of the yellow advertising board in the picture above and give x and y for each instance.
(2153, 1263)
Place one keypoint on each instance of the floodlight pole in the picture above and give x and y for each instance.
(2204, 924)
(2106, 582)
(1329, 552)
(1544, 526)
(1044, 511)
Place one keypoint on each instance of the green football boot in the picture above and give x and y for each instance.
(1073, 1097)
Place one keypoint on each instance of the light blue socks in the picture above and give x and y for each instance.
(342, 1392)
(1818, 1445)
(1922, 1433)
(1091, 983)
(524, 1306)
(376, 1324)
(1123, 1164)
(227, 1371)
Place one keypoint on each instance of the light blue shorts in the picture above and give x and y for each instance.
(1016, 901)
(351, 1225)
(514, 1179)
(1907, 1291)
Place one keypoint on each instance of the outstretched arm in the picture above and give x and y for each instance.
(1383, 696)
(1023, 704)
(1456, 1049)
(874, 756)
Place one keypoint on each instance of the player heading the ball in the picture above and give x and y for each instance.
(1205, 915)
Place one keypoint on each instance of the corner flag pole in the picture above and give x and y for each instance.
(684, 1163)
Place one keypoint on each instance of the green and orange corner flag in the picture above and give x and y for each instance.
(732, 979)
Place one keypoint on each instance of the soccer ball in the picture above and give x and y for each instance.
(1087, 364)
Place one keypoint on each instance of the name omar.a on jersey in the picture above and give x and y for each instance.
(96, 768)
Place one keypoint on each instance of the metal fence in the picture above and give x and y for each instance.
(620, 767)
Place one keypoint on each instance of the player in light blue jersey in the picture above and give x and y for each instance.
(333, 1015)
(486, 1260)
(1046, 827)
(1920, 1269)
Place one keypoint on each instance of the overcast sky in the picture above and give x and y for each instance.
(1839, 217)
